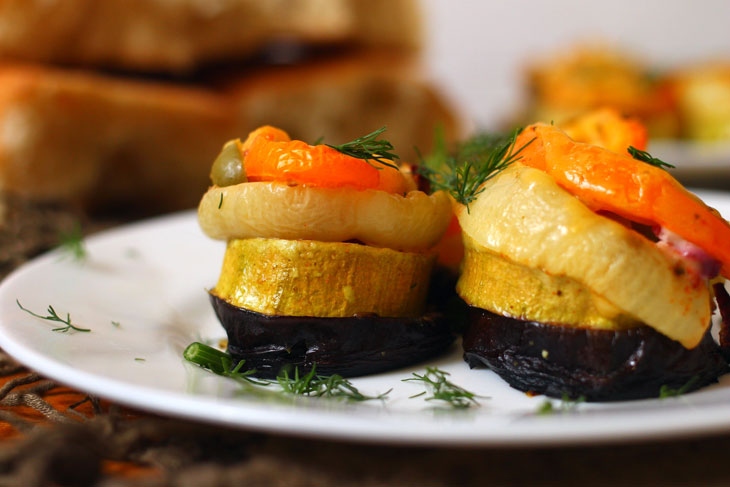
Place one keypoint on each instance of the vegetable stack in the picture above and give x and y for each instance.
(328, 255)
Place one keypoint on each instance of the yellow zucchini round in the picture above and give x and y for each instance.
(323, 279)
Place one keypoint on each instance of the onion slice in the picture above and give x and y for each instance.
(707, 266)
(411, 222)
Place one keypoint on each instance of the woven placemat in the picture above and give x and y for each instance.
(89, 442)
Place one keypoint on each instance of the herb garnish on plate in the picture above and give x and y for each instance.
(310, 384)
(665, 391)
(314, 385)
(443, 390)
(567, 404)
(220, 363)
(53, 316)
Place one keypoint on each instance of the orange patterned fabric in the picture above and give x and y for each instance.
(63, 399)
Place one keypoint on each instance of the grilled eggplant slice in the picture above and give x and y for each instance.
(351, 346)
(600, 365)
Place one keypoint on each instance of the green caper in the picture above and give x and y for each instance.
(228, 167)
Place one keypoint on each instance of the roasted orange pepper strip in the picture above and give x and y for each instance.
(608, 129)
(608, 181)
(270, 155)
(450, 249)
(266, 132)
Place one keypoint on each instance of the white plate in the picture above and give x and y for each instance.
(698, 163)
(151, 278)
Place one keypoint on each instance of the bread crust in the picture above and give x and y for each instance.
(372, 88)
(180, 35)
(146, 146)
(84, 137)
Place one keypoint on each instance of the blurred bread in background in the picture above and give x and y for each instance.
(181, 35)
(121, 106)
(131, 146)
(344, 97)
(80, 136)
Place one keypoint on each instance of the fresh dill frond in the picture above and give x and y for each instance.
(545, 408)
(436, 159)
(313, 385)
(665, 391)
(567, 404)
(369, 148)
(220, 363)
(116, 324)
(139, 359)
(72, 243)
(475, 148)
(443, 390)
(475, 162)
(644, 156)
(220, 203)
(310, 384)
(479, 146)
(53, 316)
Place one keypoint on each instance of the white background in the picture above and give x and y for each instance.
(477, 50)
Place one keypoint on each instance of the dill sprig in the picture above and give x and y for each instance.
(475, 162)
(476, 148)
(545, 408)
(479, 146)
(665, 391)
(310, 384)
(567, 404)
(72, 243)
(644, 156)
(314, 385)
(443, 390)
(220, 363)
(369, 148)
(53, 316)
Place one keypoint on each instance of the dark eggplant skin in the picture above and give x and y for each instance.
(598, 365)
(350, 347)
